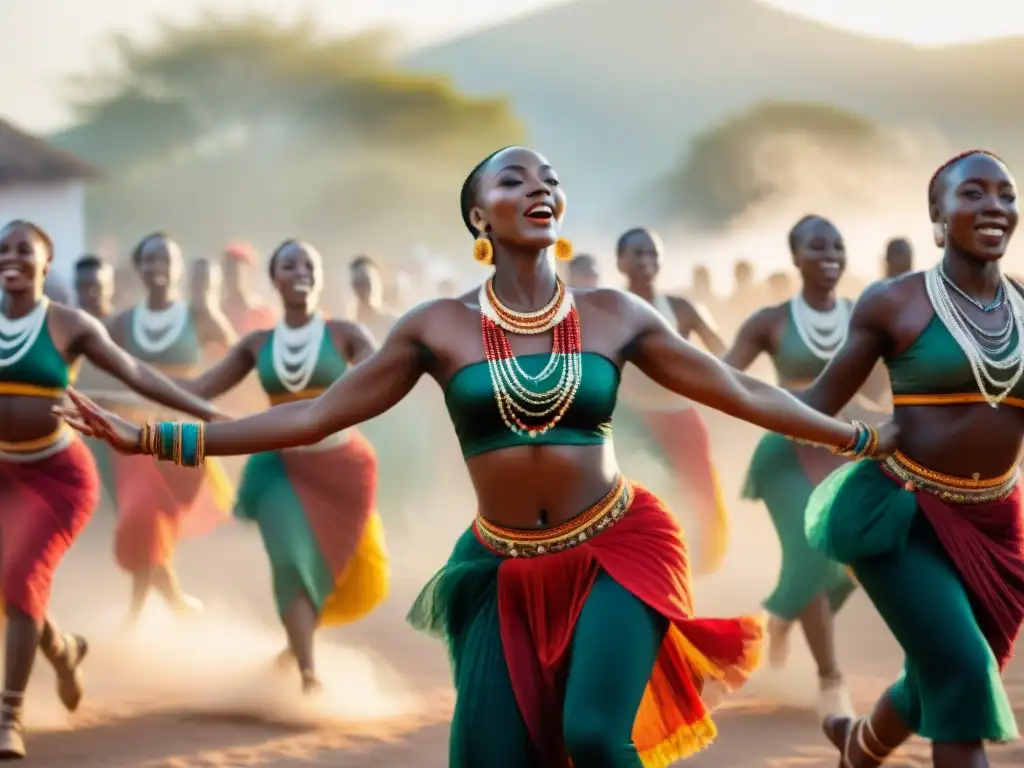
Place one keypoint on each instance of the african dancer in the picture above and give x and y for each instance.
(564, 552)
(48, 480)
(934, 534)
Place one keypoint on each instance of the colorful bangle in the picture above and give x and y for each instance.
(858, 444)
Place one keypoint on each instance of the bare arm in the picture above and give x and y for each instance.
(676, 365)
(369, 389)
(354, 340)
(703, 326)
(855, 361)
(229, 372)
(754, 337)
(94, 343)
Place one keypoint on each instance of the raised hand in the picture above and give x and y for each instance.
(91, 420)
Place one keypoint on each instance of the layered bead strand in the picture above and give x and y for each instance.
(522, 410)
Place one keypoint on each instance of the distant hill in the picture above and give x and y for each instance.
(612, 90)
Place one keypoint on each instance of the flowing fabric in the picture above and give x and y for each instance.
(44, 505)
(784, 474)
(538, 601)
(317, 517)
(160, 503)
(947, 578)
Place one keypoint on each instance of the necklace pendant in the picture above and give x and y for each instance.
(532, 433)
(994, 405)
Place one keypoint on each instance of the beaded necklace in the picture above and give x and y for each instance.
(522, 410)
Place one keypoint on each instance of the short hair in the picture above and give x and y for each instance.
(90, 261)
(625, 237)
(940, 172)
(363, 261)
(140, 246)
(36, 230)
(794, 232)
(467, 195)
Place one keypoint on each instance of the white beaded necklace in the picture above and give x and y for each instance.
(296, 351)
(821, 332)
(155, 330)
(982, 359)
(18, 336)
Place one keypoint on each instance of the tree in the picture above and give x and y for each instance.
(248, 129)
(766, 153)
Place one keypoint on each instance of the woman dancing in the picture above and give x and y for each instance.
(160, 503)
(48, 481)
(934, 534)
(314, 505)
(800, 336)
(660, 417)
(572, 633)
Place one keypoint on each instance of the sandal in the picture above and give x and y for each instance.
(12, 736)
(855, 731)
(68, 666)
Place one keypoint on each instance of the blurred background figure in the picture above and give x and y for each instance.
(899, 257)
(583, 272)
(367, 285)
(244, 308)
(94, 286)
(780, 287)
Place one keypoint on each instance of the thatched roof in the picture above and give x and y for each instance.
(26, 159)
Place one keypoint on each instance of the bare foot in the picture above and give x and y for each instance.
(311, 684)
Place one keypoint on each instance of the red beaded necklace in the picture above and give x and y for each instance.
(523, 410)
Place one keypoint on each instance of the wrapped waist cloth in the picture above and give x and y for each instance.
(867, 509)
(535, 584)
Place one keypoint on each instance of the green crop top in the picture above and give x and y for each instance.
(182, 357)
(795, 364)
(330, 366)
(469, 398)
(42, 372)
(935, 371)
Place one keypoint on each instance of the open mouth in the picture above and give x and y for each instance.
(541, 212)
(991, 231)
(302, 287)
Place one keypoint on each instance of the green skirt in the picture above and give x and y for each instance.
(779, 479)
(950, 688)
(316, 514)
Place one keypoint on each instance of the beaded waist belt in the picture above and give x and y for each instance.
(599, 517)
(959, 490)
(40, 448)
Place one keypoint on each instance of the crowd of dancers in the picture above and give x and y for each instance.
(566, 605)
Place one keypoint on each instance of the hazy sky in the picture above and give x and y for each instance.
(42, 48)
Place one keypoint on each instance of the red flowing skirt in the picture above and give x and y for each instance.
(44, 505)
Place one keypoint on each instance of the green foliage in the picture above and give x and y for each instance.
(746, 159)
(249, 129)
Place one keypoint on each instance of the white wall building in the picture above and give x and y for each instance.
(45, 185)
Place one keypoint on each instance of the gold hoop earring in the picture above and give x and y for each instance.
(483, 251)
(563, 249)
(939, 233)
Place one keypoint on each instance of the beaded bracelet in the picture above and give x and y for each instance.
(182, 443)
(863, 444)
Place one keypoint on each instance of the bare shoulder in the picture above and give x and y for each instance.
(613, 300)
(71, 318)
(884, 297)
(431, 318)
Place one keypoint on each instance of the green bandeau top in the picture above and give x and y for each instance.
(330, 366)
(480, 428)
(934, 366)
(42, 371)
(795, 364)
(185, 352)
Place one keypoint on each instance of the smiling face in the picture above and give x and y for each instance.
(298, 273)
(976, 204)
(159, 263)
(819, 254)
(24, 259)
(518, 200)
